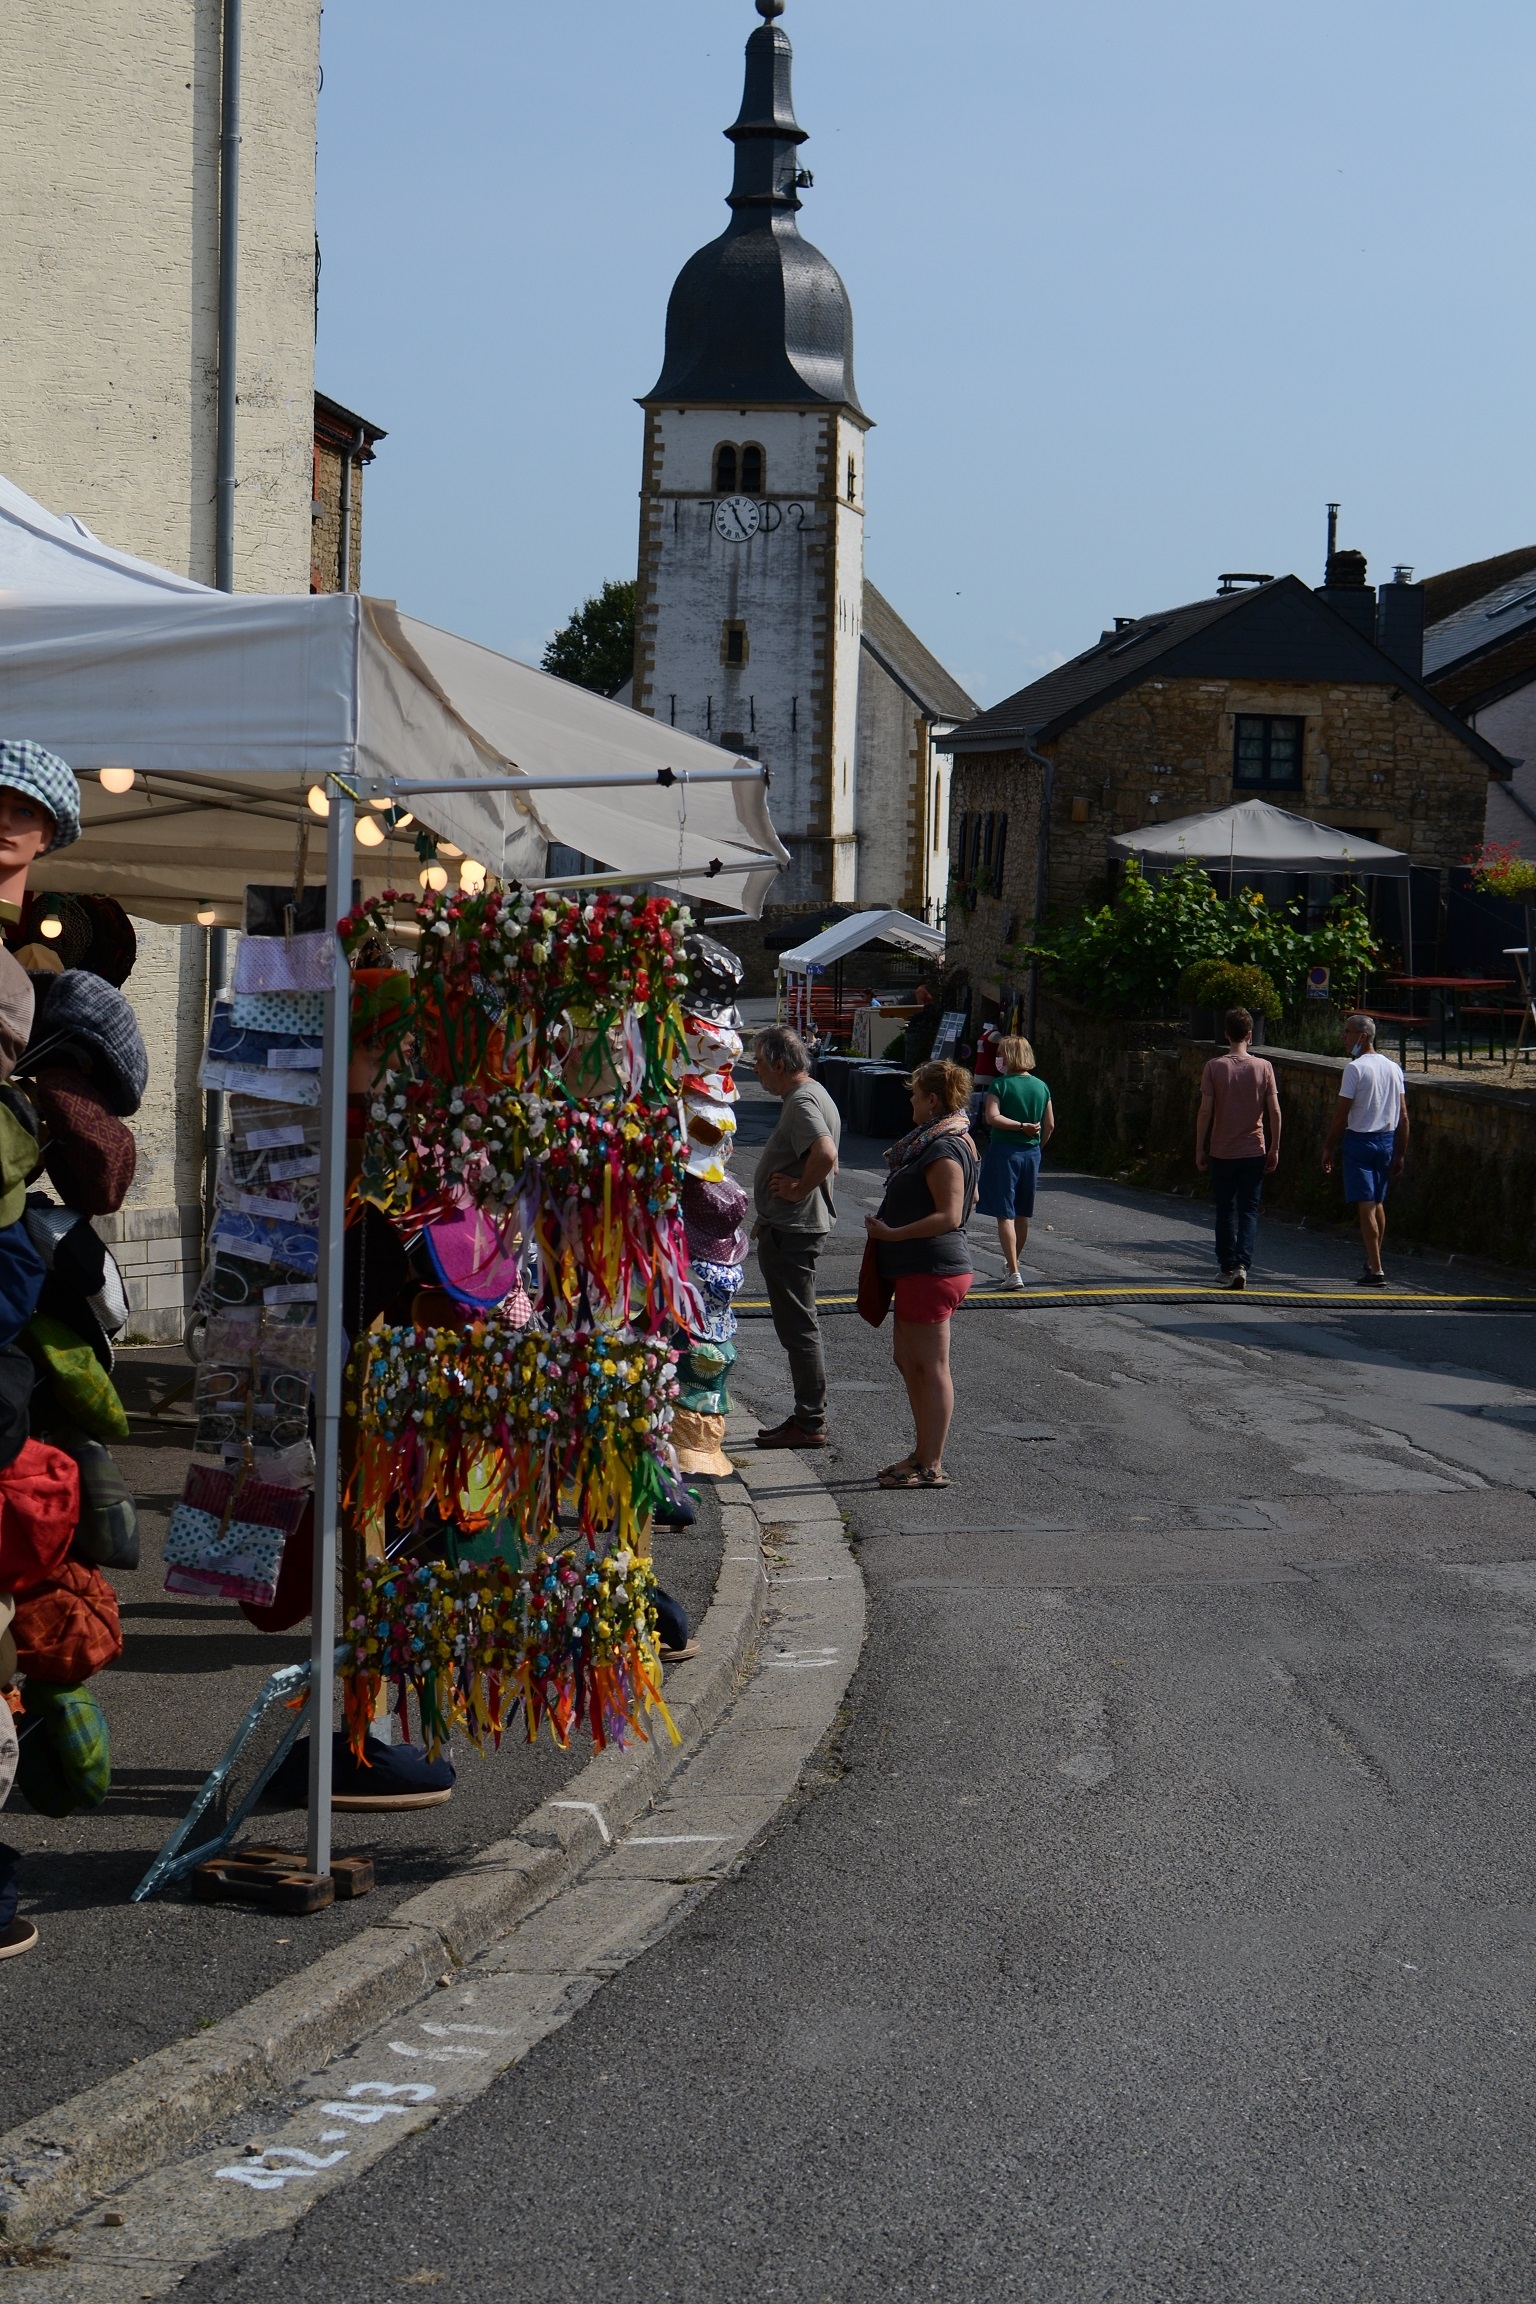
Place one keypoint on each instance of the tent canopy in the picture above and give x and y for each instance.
(861, 928)
(230, 707)
(1254, 837)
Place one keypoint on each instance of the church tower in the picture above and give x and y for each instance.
(751, 577)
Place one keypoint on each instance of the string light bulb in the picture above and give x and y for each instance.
(206, 915)
(116, 779)
(369, 834)
(447, 848)
(435, 877)
(471, 877)
(319, 804)
(50, 925)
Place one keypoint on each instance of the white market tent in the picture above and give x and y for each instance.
(1254, 837)
(230, 711)
(231, 707)
(851, 935)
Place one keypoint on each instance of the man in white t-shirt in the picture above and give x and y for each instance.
(1370, 1123)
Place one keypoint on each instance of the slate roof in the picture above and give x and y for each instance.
(1484, 646)
(1280, 631)
(760, 318)
(897, 649)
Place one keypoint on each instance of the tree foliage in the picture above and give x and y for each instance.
(1128, 957)
(596, 648)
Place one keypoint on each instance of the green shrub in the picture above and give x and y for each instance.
(1223, 984)
(1129, 958)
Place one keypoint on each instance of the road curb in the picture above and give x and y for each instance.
(56, 2164)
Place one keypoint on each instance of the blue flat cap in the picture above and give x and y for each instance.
(44, 777)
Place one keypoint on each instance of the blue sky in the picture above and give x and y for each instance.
(1135, 289)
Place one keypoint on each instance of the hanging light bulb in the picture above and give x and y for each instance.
(115, 779)
(369, 834)
(447, 848)
(435, 877)
(471, 877)
(50, 923)
(206, 915)
(383, 803)
(318, 801)
(403, 820)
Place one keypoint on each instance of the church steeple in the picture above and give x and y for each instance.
(759, 316)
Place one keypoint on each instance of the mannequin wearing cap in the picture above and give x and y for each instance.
(39, 811)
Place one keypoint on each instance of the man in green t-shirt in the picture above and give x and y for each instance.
(1020, 1116)
(795, 1212)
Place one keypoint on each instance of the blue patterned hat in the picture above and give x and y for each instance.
(44, 777)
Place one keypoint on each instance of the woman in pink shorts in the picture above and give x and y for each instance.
(924, 1256)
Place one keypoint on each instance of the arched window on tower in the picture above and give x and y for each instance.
(725, 468)
(752, 469)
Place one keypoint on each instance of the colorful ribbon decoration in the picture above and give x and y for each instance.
(570, 1639)
(518, 1420)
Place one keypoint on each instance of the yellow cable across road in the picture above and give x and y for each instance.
(1173, 1292)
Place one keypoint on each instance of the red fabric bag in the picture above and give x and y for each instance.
(875, 1291)
(70, 1628)
(39, 1510)
(290, 1603)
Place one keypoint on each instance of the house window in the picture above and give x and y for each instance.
(752, 469)
(853, 475)
(733, 643)
(938, 809)
(725, 468)
(1266, 753)
(999, 851)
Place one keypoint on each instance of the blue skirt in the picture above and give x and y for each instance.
(1009, 1174)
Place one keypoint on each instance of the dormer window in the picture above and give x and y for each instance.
(752, 469)
(725, 468)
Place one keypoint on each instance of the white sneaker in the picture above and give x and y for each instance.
(1011, 1280)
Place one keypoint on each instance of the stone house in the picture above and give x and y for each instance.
(1268, 690)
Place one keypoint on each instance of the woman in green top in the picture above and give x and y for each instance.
(1019, 1114)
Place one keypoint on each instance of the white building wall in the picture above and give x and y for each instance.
(795, 699)
(1511, 725)
(109, 126)
(847, 514)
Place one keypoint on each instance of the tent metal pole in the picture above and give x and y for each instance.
(330, 1340)
(229, 302)
(665, 777)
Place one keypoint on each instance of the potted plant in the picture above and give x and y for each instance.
(1210, 987)
(1500, 870)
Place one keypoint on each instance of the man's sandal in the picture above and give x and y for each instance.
(911, 1476)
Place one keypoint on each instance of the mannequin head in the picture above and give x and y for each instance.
(26, 830)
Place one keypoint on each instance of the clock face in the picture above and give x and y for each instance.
(737, 519)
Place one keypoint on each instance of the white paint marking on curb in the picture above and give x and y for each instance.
(814, 1660)
(672, 1839)
(488, 2031)
(433, 2055)
(589, 1808)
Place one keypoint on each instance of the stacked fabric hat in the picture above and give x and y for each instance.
(713, 1207)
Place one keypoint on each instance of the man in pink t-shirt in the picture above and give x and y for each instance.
(1237, 1137)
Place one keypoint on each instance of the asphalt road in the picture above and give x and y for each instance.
(1160, 1925)
(111, 1981)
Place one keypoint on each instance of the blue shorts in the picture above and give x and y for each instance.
(1009, 1174)
(1368, 1160)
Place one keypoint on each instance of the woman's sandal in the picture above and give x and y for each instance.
(911, 1476)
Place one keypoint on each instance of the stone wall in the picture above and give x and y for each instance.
(1374, 762)
(1126, 1096)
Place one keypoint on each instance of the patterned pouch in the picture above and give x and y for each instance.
(302, 1012)
(286, 963)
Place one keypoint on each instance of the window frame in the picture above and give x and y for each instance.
(1267, 781)
(733, 628)
(759, 486)
(722, 486)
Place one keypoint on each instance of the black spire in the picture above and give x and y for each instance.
(759, 316)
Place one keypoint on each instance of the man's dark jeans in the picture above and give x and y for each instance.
(1237, 1187)
(787, 1261)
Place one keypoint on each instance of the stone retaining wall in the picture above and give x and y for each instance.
(1126, 1095)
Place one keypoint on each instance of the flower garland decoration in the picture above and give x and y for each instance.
(519, 1420)
(570, 1639)
(512, 979)
(594, 1188)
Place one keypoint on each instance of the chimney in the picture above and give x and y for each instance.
(1346, 591)
(1400, 621)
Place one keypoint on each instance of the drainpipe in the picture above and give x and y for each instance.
(229, 281)
(224, 491)
(1042, 859)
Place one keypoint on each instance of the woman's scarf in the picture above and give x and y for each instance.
(917, 1140)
